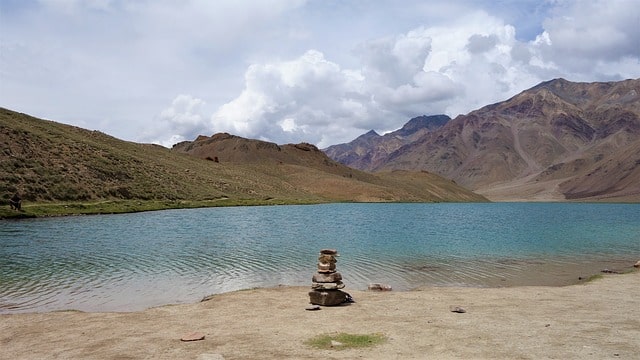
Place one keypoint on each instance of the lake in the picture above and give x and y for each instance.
(129, 262)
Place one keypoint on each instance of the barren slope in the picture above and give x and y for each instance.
(370, 150)
(306, 168)
(558, 140)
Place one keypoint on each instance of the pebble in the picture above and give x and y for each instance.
(457, 309)
(195, 336)
(379, 287)
(312, 307)
(210, 357)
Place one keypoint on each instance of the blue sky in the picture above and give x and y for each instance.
(288, 71)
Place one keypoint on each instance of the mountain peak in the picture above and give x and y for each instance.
(365, 151)
(371, 134)
(431, 122)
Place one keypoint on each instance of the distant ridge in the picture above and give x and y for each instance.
(556, 141)
(369, 151)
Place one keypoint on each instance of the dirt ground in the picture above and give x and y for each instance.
(596, 320)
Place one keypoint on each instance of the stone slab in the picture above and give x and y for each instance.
(327, 297)
(326, 277)
(327, 286)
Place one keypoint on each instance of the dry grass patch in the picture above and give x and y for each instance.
(340, 341)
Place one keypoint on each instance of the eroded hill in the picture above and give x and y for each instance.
(304, 167)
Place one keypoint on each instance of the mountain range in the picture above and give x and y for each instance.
(48, 162)
(559, 140)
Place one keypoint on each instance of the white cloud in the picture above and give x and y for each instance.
(454, 68)
(478, 44)
(424, 71)
(184, 111)
(295, 70)
(292, 101)
(183, 120)
(85, 61)
(589, 40)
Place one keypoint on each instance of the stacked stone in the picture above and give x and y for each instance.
(327, 282)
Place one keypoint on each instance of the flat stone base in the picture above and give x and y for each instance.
(327, 297)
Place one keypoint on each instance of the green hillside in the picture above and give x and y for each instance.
(60, 169)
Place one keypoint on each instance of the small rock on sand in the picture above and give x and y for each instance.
(637, 264)
(379, 287)
(194, 336)
(457, 309)
(312, 307)
(210, 357)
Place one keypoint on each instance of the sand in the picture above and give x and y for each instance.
(595, 320)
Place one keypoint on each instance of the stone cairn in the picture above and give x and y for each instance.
(327, 282)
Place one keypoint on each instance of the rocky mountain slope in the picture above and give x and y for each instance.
(369, 151)
(49, 162)
(558, 140)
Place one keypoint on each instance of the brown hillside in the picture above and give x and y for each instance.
(305, 167)
(48, 162)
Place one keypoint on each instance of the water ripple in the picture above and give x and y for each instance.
(133, 261)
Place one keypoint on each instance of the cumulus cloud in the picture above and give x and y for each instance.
(424, 71)
(183, 120)
(478, 44)
(293, 100)
(296, 70)
(604, 29)
(114, 62)
(592, 39)
(453, 69)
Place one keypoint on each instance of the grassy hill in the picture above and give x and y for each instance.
(62, 169)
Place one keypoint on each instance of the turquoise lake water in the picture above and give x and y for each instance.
(130, 262)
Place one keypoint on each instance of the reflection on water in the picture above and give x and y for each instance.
(133, 261)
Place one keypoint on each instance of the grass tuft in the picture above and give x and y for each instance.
(594, 277)
(342, 341)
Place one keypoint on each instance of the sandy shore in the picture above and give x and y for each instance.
(596, 320)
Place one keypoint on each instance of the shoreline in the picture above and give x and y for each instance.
(597, 319)
(508, 273)
(110, 207)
